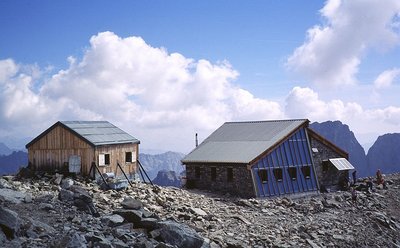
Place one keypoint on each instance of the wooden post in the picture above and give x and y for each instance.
(144, 172)
(123, 172)
(98, 170)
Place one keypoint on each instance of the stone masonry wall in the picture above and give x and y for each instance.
(241, 183)
(332, 177)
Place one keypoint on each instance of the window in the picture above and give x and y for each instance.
(292, 173)
(128, 157)
(306, 171)
(278, 174)
(107, 159)
(263, 175)
(104, 159)
(325, 165)
(197, 172)
(229, 174)
(213, 173)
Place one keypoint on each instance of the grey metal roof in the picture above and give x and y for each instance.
(241, 142)
(341, 164)
(99, 132)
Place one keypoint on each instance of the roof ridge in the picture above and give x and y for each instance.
(263, 121)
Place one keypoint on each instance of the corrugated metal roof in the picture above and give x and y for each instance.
(241, 142)
(341, 164)
(100, 132)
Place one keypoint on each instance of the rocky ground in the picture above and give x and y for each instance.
(55, 211)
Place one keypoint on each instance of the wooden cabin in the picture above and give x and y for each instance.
(75, 146)
(259, 159)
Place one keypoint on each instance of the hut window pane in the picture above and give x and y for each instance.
(128, 157)
(213, 173)
(306, 171)
(292, 173)
(278, 174)
(197, 172)
(107, 159)
(263, 175)
(229, 174)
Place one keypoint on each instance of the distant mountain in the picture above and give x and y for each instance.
(5, 150)
(168, 161)
(10, 164)
(341, 135)
(167, 178)
(385, 154)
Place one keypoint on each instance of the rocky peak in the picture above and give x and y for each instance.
(167, 178)
(384, 154)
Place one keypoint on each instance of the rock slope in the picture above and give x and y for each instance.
(53, 211)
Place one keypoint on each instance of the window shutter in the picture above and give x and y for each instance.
(102, 159)
(133, 156)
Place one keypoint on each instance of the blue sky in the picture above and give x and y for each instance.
(163, 70)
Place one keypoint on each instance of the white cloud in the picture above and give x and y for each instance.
(332, 53)
(160, 98)
(386, 78)
(366, 123)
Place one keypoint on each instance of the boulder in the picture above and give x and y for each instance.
(9, 222)
(131, 203)
(112, 220)
(66, 183)
(12, 196)
(179, 235)
(37, 228)
(130, 215)
(66, 195)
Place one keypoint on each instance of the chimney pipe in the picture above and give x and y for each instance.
(197, 141)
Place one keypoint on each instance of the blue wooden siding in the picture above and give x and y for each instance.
(288, 169)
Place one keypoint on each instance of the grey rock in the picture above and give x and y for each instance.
(112, 220)
(10, 222)
(66, 195)
(37, 228)
(74, 240)
(3, 237)
(179, 235)
(130, 215)
(198, 211)
(98, 241)
(28, 198)
(46, 206)
(4, 184)
(149, 223)
(131, 203)
(12, 196)
(66, 183)
(58, 178)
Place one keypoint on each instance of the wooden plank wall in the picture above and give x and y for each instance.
(117, 153)
(52, 150)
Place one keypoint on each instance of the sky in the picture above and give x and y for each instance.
(165, 70)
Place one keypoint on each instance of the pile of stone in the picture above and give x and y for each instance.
(57, 211)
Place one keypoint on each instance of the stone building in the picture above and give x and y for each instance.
(263, 159)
